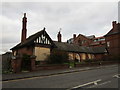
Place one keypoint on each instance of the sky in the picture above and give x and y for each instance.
(87, 18)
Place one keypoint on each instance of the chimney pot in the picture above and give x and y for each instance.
(74, 37)
(24, 14)
(59, 36)
(114, 23)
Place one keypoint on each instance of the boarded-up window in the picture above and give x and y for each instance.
(70, 56)
(93, 57)
(83, 56)
(41, 53)
(77, 57)
(89, 56)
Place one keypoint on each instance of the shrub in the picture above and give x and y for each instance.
(57, 58)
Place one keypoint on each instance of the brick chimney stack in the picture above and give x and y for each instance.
(74, 37)
(59, 36)
(24, 29)
(114, 24)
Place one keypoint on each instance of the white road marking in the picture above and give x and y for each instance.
(100, 84)
(93, 82)
(105, 83)
(117, 76)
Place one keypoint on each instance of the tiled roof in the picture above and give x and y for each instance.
(114, 30)
(112, 33)
(101, 49)
(61, 45)
(76, 48)
(83, 36)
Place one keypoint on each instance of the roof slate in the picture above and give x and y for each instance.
(76, 48)
(114, 30)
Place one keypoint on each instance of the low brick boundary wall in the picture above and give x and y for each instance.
(84, 65)
(51, 67)
(97, 64)
(111, 62)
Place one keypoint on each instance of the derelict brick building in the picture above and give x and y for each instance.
(40, 45)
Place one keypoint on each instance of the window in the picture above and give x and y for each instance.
(14, 53)
(84, 41)
(80, 42)
(108, 44)
(102, 39)
(99, 39)
(95, 40)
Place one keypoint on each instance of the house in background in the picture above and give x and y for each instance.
(112, 39)
(39, 45)
(81, 40)
(98, 42)
(89, 41)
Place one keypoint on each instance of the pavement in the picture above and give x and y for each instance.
(22, 75)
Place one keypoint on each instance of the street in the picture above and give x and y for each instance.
(104, 77)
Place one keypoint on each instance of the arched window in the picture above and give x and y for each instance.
(77, 57)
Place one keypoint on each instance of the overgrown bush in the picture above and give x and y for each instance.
(57, 58)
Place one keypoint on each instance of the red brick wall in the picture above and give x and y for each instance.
(25, 50)
(99, 56)
(114, 39)
(114, 48)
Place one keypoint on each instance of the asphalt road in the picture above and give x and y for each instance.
(105, 77)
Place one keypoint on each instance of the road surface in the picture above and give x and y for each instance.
(104, 77)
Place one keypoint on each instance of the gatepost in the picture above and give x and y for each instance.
(16, 63)
(32, 58)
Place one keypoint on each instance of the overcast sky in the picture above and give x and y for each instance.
(87, 18)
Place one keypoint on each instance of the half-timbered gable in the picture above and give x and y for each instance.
(38, 44)
(43, 38)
